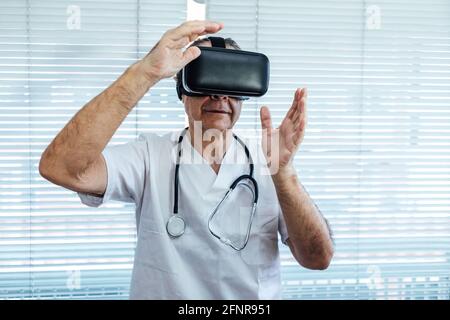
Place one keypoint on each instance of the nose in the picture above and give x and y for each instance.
(217, 97)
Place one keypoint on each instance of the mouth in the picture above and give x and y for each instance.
(217, 111)
(216, 107)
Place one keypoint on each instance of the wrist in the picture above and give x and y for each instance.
(286, 172)
(131, 86)
(142, 70)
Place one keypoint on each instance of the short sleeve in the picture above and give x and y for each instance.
(282, 229)
(127, 168)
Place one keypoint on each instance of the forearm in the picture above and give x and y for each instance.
(85, 136)
(309, 234)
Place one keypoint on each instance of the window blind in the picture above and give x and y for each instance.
(54, 57)
(375, 157)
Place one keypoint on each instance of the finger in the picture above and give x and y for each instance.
(301, 122)
(193, 29)
(294, 104)
(304, 93)
(184, 41)
(189, 55)
(191, 25)
(189, 31)
(290, 113)
(300, 111)
(301, 104)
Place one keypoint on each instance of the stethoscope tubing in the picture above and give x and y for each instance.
(249, 177)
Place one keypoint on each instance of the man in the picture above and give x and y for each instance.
(194, 265)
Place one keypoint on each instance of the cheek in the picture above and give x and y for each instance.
(196, 113)
(192, 106)
(237, 111)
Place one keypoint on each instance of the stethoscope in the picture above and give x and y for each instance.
(176, 225)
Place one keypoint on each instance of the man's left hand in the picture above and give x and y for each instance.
(281, 144)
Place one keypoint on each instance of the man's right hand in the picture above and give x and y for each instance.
(167, 57)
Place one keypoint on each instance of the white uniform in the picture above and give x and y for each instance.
(196, 265)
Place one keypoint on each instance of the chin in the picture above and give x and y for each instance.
(217, 124)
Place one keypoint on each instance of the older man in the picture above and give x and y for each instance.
(211, 251)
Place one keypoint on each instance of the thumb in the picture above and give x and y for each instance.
(190, 54)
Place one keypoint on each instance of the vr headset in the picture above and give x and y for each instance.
(226, 72)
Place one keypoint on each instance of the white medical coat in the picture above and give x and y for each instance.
(196, 265)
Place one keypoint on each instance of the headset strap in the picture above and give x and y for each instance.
(217, 42)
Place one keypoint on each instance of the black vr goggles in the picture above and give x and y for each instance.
(225, 72)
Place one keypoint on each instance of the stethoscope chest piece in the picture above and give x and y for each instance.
(175, 226)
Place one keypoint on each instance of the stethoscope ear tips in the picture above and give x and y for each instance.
(175, 226)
